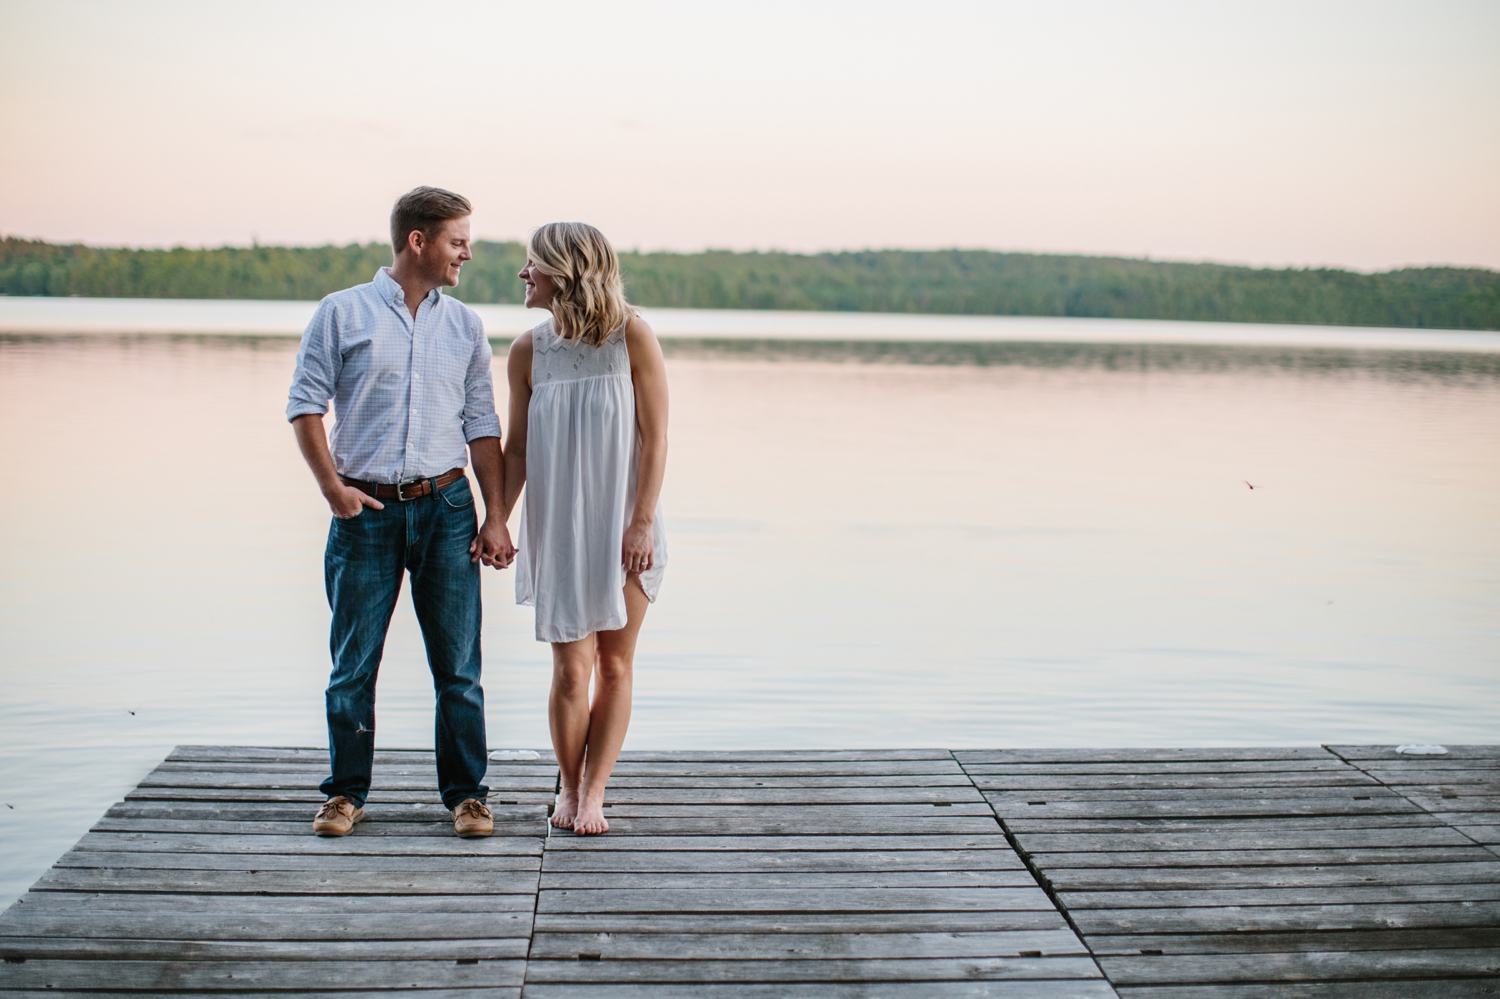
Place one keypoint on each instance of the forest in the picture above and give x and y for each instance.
(967, 282)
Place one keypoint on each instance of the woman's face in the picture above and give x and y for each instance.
(540, 289)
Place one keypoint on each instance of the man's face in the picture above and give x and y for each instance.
(446, 252)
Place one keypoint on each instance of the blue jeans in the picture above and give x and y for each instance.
(362, 568)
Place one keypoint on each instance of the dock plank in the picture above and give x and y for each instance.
(327, 862)
(226, 976)
(563, 862)
(82, 928)
(986, 838)
(1267, 857)
(890, 866)
(1321, 779)
(1132, 878)
(353, 990)
(1231, 836)
(206, 880)
(793, 946)
(723, 874)
(1268, 824)
(1323, 941)
(1325, 764)
(802, 767)
(898, 989)
(823, 969)
(1139, 755)
(1468, 754)
(1453, 962)
(777, 923)
(802, 880)
(889, 900)
(290, 905)
(1286, 918)
(809, 821)
(1444, 988)
(99, 948)
(1032, 874)
(273, 882)
(1190, 872)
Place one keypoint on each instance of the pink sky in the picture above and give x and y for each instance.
(1360, 134)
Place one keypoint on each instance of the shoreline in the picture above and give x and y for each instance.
(45, 316)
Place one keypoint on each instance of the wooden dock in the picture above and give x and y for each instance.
(1035, 874)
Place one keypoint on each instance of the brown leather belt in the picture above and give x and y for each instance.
(405, 491)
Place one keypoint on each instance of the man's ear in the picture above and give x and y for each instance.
(416, 242)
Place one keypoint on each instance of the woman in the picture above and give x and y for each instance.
(588, 435)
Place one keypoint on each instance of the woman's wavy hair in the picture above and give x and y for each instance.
(590, 303)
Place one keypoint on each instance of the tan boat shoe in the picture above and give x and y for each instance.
(337, 817)
(472, 819)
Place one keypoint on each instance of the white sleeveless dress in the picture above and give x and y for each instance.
(583, 453)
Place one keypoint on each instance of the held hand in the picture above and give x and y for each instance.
(492, 545)
(347, 502)
(637, 551)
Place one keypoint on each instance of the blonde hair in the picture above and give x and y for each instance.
(590, 302)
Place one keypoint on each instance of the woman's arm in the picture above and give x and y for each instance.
(518, 373)
(648, 372)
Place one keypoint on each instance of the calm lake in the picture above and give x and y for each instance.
(932, 540)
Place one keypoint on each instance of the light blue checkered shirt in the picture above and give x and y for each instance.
(407, 394)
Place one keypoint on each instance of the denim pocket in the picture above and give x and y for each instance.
(344, 535)
(458, 495)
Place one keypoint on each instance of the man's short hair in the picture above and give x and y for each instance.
(425, 209)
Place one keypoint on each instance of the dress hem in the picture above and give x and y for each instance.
(606, 626)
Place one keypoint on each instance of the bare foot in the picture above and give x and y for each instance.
(566, 809)
(590, 818)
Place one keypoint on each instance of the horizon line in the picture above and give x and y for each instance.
(255, 244)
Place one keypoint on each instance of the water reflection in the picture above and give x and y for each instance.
(1141, 357)
(1398, 364)
(873, 544)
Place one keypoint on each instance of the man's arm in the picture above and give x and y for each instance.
(318, 365)
(344, 501)
(492, 546)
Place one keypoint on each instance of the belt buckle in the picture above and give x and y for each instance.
(401, 490)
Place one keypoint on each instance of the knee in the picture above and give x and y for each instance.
(615, 669)
(354, 678)
(348, 700)
(570, 679)
(463, 685)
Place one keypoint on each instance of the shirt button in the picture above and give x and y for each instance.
(411, 447)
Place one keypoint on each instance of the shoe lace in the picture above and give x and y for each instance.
(330, 808)
(474, 808)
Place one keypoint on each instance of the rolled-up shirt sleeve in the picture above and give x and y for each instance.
(480, 419)
(318, 365)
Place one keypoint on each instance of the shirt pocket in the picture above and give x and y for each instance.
(355, 341)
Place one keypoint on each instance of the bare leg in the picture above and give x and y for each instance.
(609, 715)
(568, 717)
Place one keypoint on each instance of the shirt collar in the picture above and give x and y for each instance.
(391, 292)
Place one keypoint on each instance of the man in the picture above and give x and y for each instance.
(408, 370)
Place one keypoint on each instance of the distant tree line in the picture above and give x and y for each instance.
(967, 282)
